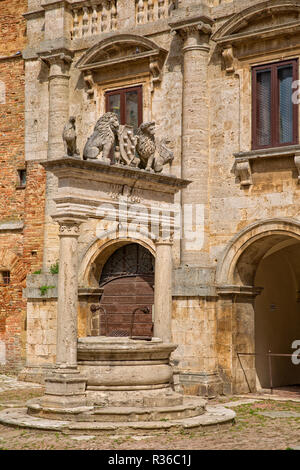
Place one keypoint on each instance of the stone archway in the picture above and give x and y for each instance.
(258, 279)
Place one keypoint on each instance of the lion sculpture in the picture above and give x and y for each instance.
(153, 154)
(69, 138)
(103, 138)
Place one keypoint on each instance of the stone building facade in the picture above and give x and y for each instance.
(219, 78)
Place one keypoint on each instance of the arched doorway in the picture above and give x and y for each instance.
(127, 280)
(277, 315)
(259, 283)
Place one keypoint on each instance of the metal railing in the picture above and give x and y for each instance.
(269, 355)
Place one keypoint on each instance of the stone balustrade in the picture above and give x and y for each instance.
(94, 17)
(148, 11)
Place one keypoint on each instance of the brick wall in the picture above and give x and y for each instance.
(21, 249)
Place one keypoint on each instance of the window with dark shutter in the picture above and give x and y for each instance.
(127, 103)
(274, 115)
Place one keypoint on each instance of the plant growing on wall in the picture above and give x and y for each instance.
(44, 289)
(54, 268)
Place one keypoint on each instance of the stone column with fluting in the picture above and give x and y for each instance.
(195, 139)
(163, 290)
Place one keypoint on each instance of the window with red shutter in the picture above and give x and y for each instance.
(127, 104)
(274, 115)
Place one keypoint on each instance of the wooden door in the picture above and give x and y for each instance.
(128, 282)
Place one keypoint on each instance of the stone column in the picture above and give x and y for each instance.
(66, 349)
(195, 139)
(163, 290)
(65, 387)
(58, 102)
(58, 114)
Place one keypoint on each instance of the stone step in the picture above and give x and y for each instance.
(193, 406)
(214, 417)
(118, 414)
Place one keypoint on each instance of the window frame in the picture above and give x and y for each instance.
(5, 277)
(122, 92)
(21, 185)
(273, 68)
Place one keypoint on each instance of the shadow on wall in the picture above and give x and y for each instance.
(277, 311)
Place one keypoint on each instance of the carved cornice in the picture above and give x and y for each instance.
(98, 171)
(140, 49)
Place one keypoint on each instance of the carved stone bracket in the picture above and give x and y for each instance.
(243, 171)
(229, 59)
(155, 70)
(297, 163)
(89, 81)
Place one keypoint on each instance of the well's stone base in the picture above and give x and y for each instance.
(189, 407)
(213, 417)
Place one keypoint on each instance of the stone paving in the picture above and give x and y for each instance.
(262, 422)
(12, 383)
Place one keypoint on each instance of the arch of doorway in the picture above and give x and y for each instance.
(100, 250)
(259, 235)
(237, 296)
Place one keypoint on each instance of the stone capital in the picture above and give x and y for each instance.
(68, 227)
(195, 33)
(168, 240)
(58, 63)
